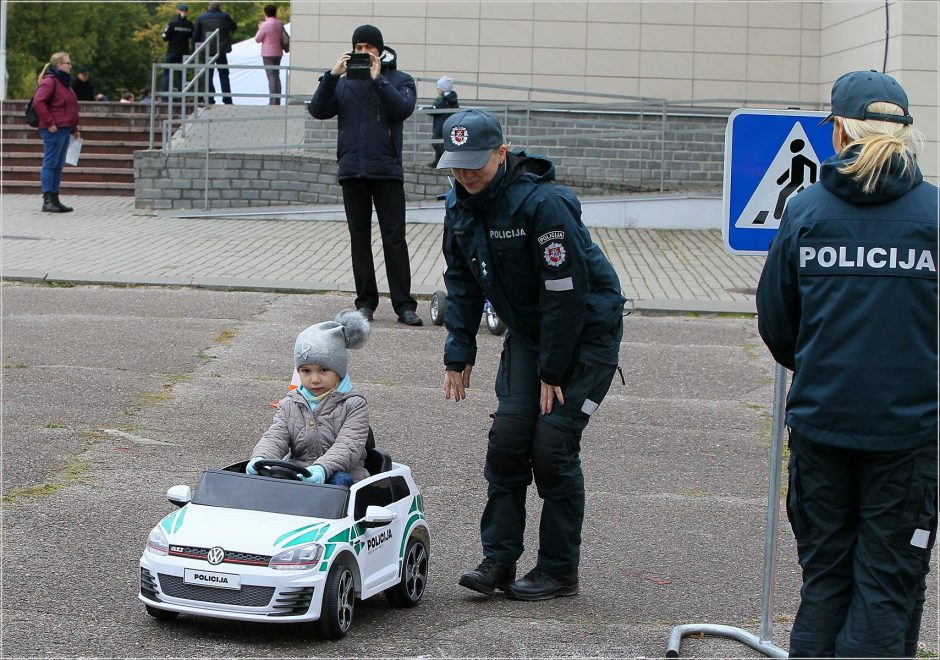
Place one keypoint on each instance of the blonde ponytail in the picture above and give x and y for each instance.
(55, 60)
(880, 142)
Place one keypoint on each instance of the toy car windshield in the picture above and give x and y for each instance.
(294, 498)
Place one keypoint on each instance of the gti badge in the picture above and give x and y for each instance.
(216, 555)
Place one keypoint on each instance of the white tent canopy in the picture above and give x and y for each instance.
(250, 81)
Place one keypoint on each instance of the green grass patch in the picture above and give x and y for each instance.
(225, 336)
(13, 365)
(54, 425)
(74, 472)
(58, 284)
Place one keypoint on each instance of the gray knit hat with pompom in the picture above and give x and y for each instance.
(326, 343)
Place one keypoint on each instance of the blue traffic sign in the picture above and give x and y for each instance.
(770, 156)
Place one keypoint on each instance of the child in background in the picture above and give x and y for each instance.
(446, 98)
(324, 423)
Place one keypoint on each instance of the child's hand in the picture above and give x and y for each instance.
(317, 474)
(250, 468)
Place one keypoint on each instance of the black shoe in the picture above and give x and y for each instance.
(62, 207)
(49, 206)
(366, 313)
(408, 317)
(489, 576)
(542, 585)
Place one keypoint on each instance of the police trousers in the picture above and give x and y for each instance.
(865, 523)
(524, 444)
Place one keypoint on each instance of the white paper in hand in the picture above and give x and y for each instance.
(74, 151)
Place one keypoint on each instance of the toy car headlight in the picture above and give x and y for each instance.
(297, 559)
(156, 542)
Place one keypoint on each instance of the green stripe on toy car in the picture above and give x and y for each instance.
(172, 522)
(306, 534)
(404, 537)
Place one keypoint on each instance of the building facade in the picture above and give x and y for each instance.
(694, 54)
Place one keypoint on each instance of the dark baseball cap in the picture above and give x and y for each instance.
(182, 7)
(469, 139)
(853, 92)
(83, 69)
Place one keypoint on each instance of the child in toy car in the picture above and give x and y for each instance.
(324, 423)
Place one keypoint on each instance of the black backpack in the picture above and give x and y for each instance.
(32, 117)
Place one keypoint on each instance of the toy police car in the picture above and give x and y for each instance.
(273, 548)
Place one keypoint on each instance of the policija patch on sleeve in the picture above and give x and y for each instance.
(554, 246)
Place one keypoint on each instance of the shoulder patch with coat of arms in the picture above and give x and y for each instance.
(554, 246)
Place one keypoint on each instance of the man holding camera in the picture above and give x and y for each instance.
(371, 99)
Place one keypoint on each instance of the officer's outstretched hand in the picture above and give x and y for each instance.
(548, 396)
(458, 381)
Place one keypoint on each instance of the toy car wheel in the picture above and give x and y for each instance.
(438, 306)
(494, 324)
(414, 576)
(339, 599)
(161, 615)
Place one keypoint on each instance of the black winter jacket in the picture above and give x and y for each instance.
(448, 100)
(178, 34)
(370, 114)
(214, 20)
(521, 244)
(848, 301)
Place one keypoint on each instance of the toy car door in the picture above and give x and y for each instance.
(378, 560)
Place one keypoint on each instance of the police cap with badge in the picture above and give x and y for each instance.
(470, 136)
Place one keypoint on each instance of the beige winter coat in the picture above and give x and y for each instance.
(334, 435)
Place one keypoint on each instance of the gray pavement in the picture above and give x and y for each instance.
(107, 241)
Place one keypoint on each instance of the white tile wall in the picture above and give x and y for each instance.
(756, 49)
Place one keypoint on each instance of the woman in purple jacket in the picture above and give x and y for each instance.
(57, 107)
(272, 50)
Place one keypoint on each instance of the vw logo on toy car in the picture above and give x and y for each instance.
(216, 555)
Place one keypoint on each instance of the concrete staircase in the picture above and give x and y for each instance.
(112, 133)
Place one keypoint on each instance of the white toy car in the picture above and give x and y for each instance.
(273, 548)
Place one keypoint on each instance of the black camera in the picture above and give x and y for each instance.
(358, 65)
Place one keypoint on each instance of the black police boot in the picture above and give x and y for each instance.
(539, 584)
(62, 207)
(48, 205)
(489, 576)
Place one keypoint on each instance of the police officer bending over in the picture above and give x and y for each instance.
(848, 301)
(512, 236)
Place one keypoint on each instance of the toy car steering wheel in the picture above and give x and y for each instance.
(280, 469)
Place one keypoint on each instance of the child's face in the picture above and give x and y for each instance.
(317, 378)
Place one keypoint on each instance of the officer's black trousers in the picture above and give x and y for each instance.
(224, 80)
(176, 78)
(864, 523)
(389, 198)
(524, 444)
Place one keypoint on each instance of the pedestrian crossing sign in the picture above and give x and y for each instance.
(770, 156)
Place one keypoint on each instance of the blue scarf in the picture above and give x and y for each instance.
(313, 400)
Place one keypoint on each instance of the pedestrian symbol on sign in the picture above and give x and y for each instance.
(793, 168)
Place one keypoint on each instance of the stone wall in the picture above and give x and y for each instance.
(594, 154)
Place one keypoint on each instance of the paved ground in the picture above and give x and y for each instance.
(105, 240)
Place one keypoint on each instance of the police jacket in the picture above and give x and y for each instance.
(370, 114)
(848, 301)
(178, 34)
(212, 20)
(84, 90)
(521, 244)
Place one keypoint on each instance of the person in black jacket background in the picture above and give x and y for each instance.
(446, 99)
(370, 113)
(848, 301)
(216, 19)
(178, 34)
(82, 85)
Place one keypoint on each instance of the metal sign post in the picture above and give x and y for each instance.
(770, 156)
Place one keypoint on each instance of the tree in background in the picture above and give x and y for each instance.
(118, 41)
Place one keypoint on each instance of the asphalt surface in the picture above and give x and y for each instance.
(112, 394)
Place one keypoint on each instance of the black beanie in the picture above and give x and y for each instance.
(368, 34)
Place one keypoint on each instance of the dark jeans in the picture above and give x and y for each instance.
(274, 79)
(524, 445)
(55, 145)
(223, 81)
(864, 523)
(177, 76)
(389, 198)
(341, 479)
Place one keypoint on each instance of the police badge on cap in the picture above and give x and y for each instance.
(471, 136)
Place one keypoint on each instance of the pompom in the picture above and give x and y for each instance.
(355, 327)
